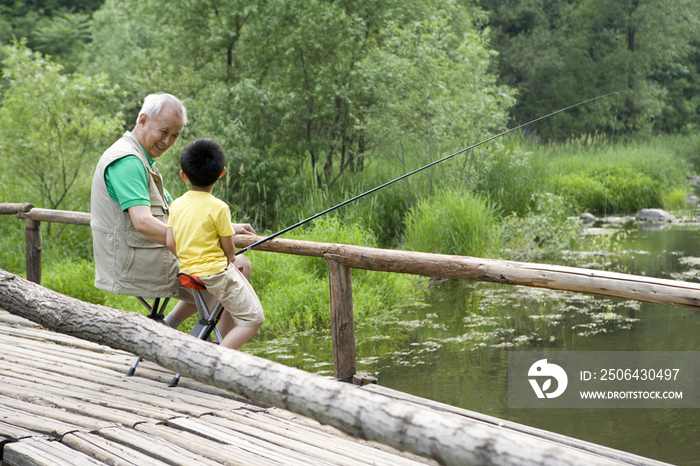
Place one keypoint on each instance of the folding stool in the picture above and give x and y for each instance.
(203, 329)
(207, 319)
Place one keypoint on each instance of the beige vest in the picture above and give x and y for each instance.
(126, 262)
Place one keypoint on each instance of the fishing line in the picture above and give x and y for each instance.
(298, 224)
(612, 140)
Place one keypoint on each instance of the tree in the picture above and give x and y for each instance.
(559, 52)
(289, 86)
(433, 87)
(54, 127)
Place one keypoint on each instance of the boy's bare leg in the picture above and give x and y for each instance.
(243, 261)
(183, 310)
(226, 323)
(238, 336)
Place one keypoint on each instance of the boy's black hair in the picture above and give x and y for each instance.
(203, 161)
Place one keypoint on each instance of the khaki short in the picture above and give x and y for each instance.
(237, 296)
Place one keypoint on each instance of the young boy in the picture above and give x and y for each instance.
(200, 235)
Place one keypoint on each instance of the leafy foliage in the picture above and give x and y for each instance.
(300, 92)
(559, 52)
(54, 127)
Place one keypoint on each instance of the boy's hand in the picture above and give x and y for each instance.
(243, 229)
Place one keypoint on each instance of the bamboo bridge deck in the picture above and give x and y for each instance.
(66, 402)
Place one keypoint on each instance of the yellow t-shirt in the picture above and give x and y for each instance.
(198, 219)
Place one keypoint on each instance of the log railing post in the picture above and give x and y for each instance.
(32, 235)
(342, 319)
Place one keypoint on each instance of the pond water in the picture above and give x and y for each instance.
(454, 348)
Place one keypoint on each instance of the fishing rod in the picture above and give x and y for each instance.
(298, 224)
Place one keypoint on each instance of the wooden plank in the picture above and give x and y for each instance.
(155, 447)
(13, 433)
(34, 332)
(15, 208)
(64, 360)
(282, 440)
(32, 234)
(180, 398)
(19, 346)
(84, 419)
(108, 452)
(336, 442)
(71, 361)
(623, 457)
(60, 360)
(655, 290)
(457, 267)
(315, 426)
(237, 454)
(99, 399)
(39, 424)
(231, 437)
(39, 452)
(57, 216)
(14, 321)
(342, 319)
(86, 390)
(62, 408)
(179, 401)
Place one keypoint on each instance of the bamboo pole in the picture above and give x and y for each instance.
(554, 277)
(448, 439)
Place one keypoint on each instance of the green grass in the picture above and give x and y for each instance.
(453, 222)
(294, 290)
(621, 179)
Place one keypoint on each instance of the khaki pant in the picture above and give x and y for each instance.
(238, 297)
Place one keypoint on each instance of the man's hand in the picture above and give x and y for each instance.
(243, 229)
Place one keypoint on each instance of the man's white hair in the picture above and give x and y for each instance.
(154, 103)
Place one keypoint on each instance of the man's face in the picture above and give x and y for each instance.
(157, 133)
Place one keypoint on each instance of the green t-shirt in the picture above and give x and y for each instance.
(127, 182)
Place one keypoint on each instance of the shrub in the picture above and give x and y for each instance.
(623, 179)
(543, 233)
(675, 199)
(294, 290)
(453, 222)
(510, 179)
(612, 190)
(384, 215)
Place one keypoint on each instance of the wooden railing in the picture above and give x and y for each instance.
(343, 258)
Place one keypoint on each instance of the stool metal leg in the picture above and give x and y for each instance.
(157, 314)
(206, 325)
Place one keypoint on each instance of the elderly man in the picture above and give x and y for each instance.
(130, 211)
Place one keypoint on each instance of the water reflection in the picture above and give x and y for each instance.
(453, 348)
